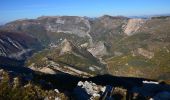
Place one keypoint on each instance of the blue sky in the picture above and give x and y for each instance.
(17, 9)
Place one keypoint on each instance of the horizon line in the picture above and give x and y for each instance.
(128, 16)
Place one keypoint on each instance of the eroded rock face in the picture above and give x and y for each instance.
(65, 47)
(16, 45)
(68, 24)
(98, 49)
(133, 26)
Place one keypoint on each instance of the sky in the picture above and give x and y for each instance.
(18, 9)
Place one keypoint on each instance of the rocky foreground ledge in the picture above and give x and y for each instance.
(66, 87)
(149, 91)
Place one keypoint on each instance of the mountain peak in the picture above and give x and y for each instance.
(66, 46)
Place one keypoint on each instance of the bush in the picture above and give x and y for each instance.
(13, 90)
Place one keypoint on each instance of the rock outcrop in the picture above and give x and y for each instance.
(98, 50)
(133, 26)
(66, 47)
(88, 90)
(47, 70)
(145, 53)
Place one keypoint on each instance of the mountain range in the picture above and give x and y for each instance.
(60, 51)
(119, 45)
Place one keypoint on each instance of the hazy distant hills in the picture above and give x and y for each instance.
(124, 46)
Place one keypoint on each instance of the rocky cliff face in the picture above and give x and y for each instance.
(66, 47)
(133, 26)
(99, 49)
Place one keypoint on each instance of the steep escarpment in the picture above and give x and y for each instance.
(17, 45)
(68, 58)
(133, 26)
